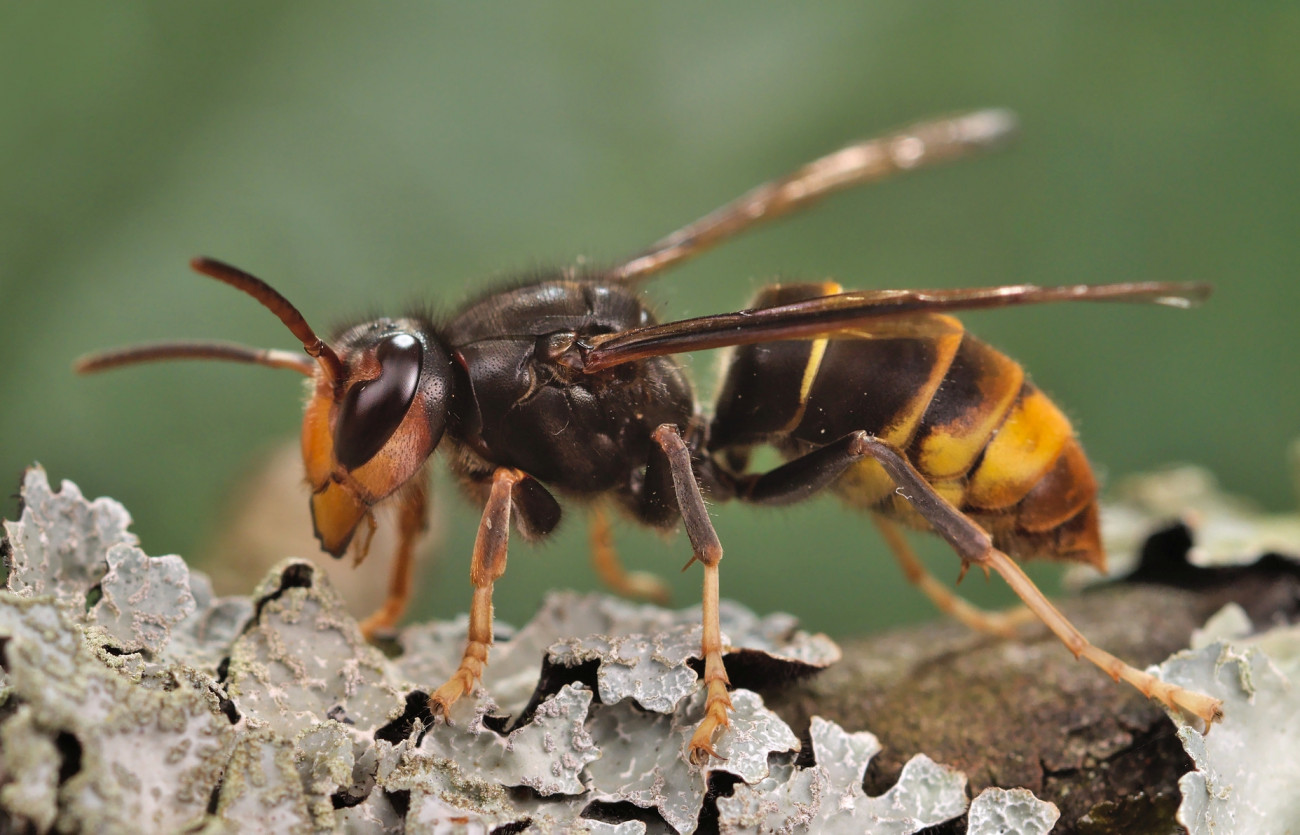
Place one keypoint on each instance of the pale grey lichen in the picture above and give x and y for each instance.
(1246, 766)
(62, 539)
(29, 770)
(138, 702)
(140, 758)
(261, 790)
(325, 757)
(302, 659)
(203, 639)
(828, 796)
(547, 755)
(142, 598)
(650, 669)
(643, 763)
(442, 795)
(642, 651)
(1010, 812)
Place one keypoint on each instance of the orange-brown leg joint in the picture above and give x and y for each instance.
(413, 519)
(639, 585)
(488, 565)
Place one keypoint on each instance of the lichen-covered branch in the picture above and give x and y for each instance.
(134, 701)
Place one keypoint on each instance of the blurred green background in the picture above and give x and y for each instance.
(363, 156)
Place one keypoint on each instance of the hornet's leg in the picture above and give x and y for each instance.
(1002, 624)
(975, 547)
(640, 585)
(707, 550)
(489, 563)
(412, 521)
(799, 479)
(803, 476)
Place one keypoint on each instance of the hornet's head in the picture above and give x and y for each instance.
(370, 430)
(377, 409)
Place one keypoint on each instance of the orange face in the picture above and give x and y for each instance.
(366, 436)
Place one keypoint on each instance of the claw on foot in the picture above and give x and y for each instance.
(460, 684)
(701, 751)
(700, 748)
(378, 627)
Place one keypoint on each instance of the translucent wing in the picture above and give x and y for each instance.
(918, 146)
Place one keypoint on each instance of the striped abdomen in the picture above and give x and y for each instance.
(987, 439)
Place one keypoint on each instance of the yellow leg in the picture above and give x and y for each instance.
(413, 519)
(1002, 624)
(1204, 707)
(640, 585)
(975, 547)
(707, 550)
(718, 701)
(487, 566)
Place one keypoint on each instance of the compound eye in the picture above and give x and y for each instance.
(372, 410)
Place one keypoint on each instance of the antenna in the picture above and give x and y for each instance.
(277, 304)
(198, 350)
